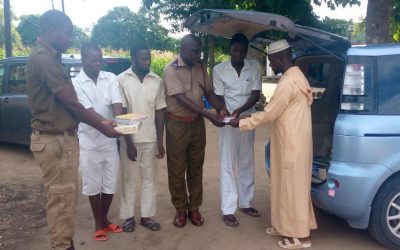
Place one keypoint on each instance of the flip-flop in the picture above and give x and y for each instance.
(100, 235)
(297, 244)
(129, 226)
(230, 220)
(151, 225)
(272, 231)
(113, 228)
(250, 211)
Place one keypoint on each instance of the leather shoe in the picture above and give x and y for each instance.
(196, 218)
(180, 219)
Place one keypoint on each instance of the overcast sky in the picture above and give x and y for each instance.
(85, 13)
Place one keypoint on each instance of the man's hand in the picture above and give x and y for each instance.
(108, 129)
(131, 152)
(234, 122)
(216, 120)
(223, 112)
(161, 150)
(236, 113)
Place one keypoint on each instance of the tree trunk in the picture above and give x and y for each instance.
(211, 54)
(377, 28)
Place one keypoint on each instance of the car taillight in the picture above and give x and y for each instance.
(353, 86)
(354, 80)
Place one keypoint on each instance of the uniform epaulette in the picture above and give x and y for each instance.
(175, 64)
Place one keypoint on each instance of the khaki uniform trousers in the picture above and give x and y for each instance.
(185, 146)
(58, 157)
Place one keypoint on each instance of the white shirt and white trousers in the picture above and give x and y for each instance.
(99, 159)
(140, 97)
(236, 147)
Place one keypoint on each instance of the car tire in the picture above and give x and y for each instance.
(386, 204)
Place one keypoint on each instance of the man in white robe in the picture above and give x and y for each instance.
(289, 114)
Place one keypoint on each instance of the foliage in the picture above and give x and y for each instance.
(15, 37)
(338, 26)
(121, 28)
(79, 37)
(159, 60)
(332, 4)
(28, 28)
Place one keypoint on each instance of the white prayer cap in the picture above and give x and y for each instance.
(277, 46)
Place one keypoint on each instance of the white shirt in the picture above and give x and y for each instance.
(142, 97)
(99, 96)
(235, 89)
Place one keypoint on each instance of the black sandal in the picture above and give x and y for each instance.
(230, 220)
(129, 225)
(250, 211)
(150, 224)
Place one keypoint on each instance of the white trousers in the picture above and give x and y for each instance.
(237, 168)
(146, 163)
(99, 171)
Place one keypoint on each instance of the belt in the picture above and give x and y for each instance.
(191, 118)
(69, 131)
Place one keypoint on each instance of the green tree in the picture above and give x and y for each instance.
(120, 28)
(338, 26)
(378, 21)
(28, 29)
(79, 37)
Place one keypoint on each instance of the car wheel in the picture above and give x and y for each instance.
(384, 224)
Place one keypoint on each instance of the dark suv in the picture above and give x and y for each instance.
(15, 114)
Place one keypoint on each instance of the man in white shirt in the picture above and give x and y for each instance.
(237, 83)
(142, 92)
(99, 159)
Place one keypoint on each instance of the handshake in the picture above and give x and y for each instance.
(225, 118)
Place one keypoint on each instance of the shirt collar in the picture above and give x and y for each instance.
(49, 49)
(228, 65)
(130, 72)
(84, 78)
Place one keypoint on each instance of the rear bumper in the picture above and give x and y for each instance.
(352, 200)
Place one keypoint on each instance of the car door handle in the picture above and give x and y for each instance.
(6, 100)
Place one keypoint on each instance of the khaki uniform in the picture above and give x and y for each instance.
(54, 142)
(289, 113)
(185, 133)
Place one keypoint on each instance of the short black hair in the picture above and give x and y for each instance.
(89, 46)
(239, 38)
(53, 19)
(136, 48)
(189, 38)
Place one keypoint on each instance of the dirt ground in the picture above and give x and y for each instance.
(23, 224)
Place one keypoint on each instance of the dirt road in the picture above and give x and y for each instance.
(22, 214)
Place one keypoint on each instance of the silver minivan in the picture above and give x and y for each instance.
(355, 116)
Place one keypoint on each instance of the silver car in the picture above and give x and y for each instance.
(355, 116)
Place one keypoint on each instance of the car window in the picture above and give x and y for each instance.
(389, 85)
(115, 66)
(17, 83)
(73, 69)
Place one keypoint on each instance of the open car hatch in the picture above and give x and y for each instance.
(266, 27)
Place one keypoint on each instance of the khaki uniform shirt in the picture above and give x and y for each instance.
(142, 97)
(180, 79)
(45, 76)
